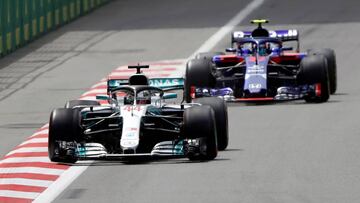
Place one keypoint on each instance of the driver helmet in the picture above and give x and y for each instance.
(264, 49)
(129, 99)
(144, 98)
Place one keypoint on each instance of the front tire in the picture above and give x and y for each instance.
(63, 126)
(330, 56)
(221, 118)
(198, 74)
(314, 71)
(199, 123)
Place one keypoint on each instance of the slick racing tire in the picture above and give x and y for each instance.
(70, 104)
(199, 122)
(221, 118)
(63, 126)
(313, 70)
(208, 55)
(198, 74)
(332, 68)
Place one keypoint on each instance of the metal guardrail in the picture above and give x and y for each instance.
(22, 21)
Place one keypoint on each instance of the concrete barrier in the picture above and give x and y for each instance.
(22, 21)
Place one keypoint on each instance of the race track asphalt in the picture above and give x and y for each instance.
(287, 152)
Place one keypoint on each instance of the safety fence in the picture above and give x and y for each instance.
(22, 21)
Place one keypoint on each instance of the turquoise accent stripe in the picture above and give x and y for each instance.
(179, 148)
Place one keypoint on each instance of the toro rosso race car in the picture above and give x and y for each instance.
(261, 68)
(138, 123)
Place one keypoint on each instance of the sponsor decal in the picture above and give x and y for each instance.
(165, 82)
(128, 143)
(254, 86)
(130, 135)
(238, 34)
(117, 83)
(134, 108)
(255, 69)
(131, 129)
(272, 33)
(283, 33)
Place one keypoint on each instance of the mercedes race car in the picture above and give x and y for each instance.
(138, 123)
(261, 68)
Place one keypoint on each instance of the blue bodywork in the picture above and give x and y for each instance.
(254, 56)
(256, 74)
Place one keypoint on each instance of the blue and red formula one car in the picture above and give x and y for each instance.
(261, 68)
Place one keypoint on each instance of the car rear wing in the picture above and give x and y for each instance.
(163, 83)
(283, 35)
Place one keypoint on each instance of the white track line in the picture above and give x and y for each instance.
(45, 126)
(95, 91)
(61, 183)
(34, 140)
(73, 172)
(25, 159)
(45, 131)
(98, 84)
(37, 170)
(18, 194)
(88, 98)
(25, 181)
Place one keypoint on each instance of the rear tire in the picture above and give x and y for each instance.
(198, 74)
(330, 56)
(63, 126)
(313, 70)
(221, 117)
(70, 104)
(199, 122)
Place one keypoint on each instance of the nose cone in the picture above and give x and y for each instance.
(129, 140)
(256, 75)
(131, 126)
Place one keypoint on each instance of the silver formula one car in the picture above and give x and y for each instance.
(138, 123)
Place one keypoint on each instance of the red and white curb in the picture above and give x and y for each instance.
(26, 173)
